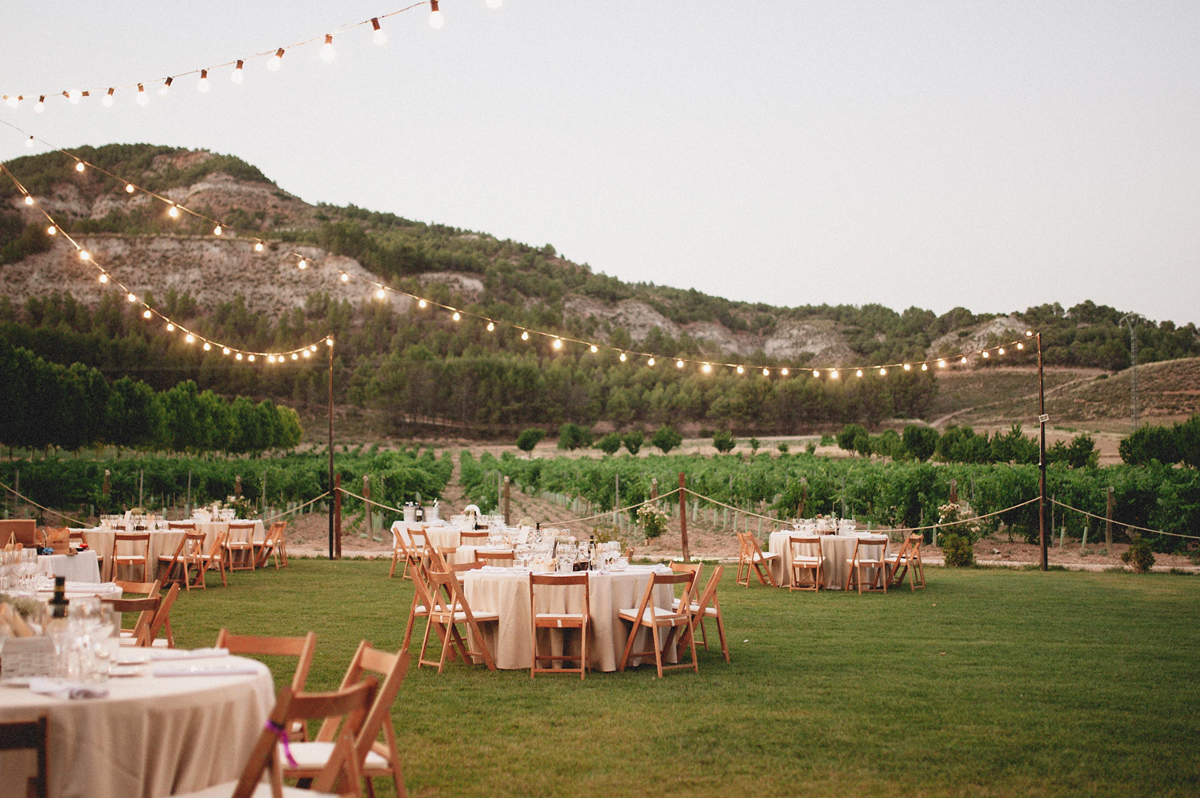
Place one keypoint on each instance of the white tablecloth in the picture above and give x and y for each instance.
(81, 567)
(100, 540)
(836, 549)
(506, 591)
(151, 737)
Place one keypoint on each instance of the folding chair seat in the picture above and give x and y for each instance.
(869, 554)
(709, 607)
(139, 542)
(751, 558)
(447, 608)
(29, 736)
(375, 758)
(341, 772)
(560, 620)
(677, 621)
(808, 563)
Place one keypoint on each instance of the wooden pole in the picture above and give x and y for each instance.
(337, 517)
(617, 503)
(1108, 521)
(329, 341)
(507, 489)
(683, 518)
(141, 487)
(237, 486)
(1042, 419)
(187, 507)
(367, 496)
(954, 491)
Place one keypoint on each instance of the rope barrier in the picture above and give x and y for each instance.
(28, 500)
(731, 507)
(1127, 526)
(295, 509)
(671, 492)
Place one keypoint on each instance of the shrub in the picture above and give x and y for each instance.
(810, 447)
(958, 550)
(666, 439)
(1139, 555)
(782, 447)
(633, 441)
(530, 438)
(724, 441)
(854, 438)
(572, 436)
(920, 441)
(609, 443)
(755, 444)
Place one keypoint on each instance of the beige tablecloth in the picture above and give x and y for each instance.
(151, 737)
(100, 540)
(81, 567)
(836, 549)
(506, 591)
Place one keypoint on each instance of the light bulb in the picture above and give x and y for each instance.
(275, 61)
(650, 362)
(270, 358)
(678, 364)
(295, 356)
(51, 230)
(250, 358)
(706, 368)
(457, 316)
(238, 356)
(766, 372)
(74, 96)
(1002, 350)
(379, 37)
(491, 327)
(436, 20)
(190, 338)
(329, 341)
(907, 367)
(345, 277)
(816, 373)
(379, 294)
(170, 327)
(493, 3)
(924, 367)
(307, 353)
(833, 375)
(85, 255)
(258, 246)
(173, 212)
(557, 343)
(217, 230)
(741, 370)
(141, 97)
(203, 84)
(146, 314)
(1029, 333)
(41, 104)
(79, 167)
(941, 364)
(1020, 346)
(423, 303)
(207, 346)
(964, 360)
(883, 372)
(622, 357)
(131, 297)
(784, 372)
(986, 354)
(858, 373)
(165, 87)
(103, 278)
(29, 142)
(594, 349)
(302, 265)
(129, 188)
(28, 200)
(224, 350)
(238, 74)
(327, 51)
(107, 99)
(313, 348)
(525, 337)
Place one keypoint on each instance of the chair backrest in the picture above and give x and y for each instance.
(743, 553)
(350, 705)
(864, 541)
(709, 596)
(162, 618)
(459, 567)
(146, 608)
(693, 568)
(184, 525)
(194, 547)
(179, 554)
(140, 540)
(18, 530)
(420, 540)
(751, 543)
(369, 661)
(915, 540)
(147, 589)
(671, 579)
(473, 534)
(218, 542)
(29, 735)
(241, 532)
(560, 580)
(805, 545)
(300, 647)
(494, 557)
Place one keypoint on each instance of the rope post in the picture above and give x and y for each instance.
(107, 485)
(1042, 419)
(507, 484)
(954, 491)
(367, 506)
(683, 517)
(237, 486)
(1109, 512)
(329, 346)
(336, 551)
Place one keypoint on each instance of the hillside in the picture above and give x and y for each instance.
(393, 361)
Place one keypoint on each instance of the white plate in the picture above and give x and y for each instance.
(121, 671)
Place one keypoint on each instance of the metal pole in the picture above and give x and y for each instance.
(1042, 419)
(329, 341)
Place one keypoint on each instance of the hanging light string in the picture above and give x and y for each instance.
(380, 290)
(274, 55)
(149, 312)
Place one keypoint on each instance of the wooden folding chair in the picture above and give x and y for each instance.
(653, 617)
(808, 563)
(139, 541)
(559, 620)
(709, 607)
(441, 556)
(215, 557)
(29, 736)
(473, 537)
(145, 609)
(239, 544)
(400, 553)
(447, 608)
(188, 555)
(302, 648)
(459, 567)
(693, 568)
(874, 562)
(751, 558)
(420, 545)
(272, 544)
(341, 772)
(499, 559)
(907, 560)
(375, 758)
(160, 622)
(421, 602)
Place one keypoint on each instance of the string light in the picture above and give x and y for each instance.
(275, 61)
(557, 343)
(525, 337)
(238, 356)
(678, 364)
(423, 303)
(378, 36)
(907, 367)
(740, 370)
(225, 350)
(858, 373)
(207, 346)
(883, 372)
(457, 316)
(165, 88)
(436, 20)
(258, 246)
(491, 327)
(766, 372)
(217, 230)
(328, 54)
(985, 353)
(650, 362)
(706, 368)
(833, 375)
(85, 255)
(345, 278)
(238, 74)
(173, 212)
(74, 96)
(622, 358)
(41, 105)
(170, 327)
(29, 142)
(142, 99)
(131, 297)
(784, 372)
(250, 358)
(379, 294)
(202, 86)
(941, 364)
(964, 360)
(190, 338)
(79, 167)
(593, 348)
(146, 314)
(129, 188)
(103, 278)
(816, 373)
(1020, 345)
(302, 265)
(28, 200)
(1001, 350)
(107, 99)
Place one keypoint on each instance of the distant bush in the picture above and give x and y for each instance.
(783, 447)
(1139, 555)
(529, 438)
(855, 438)
(633, 441)
(724, 441)
(666, 439)
(610, 443)
(920, 441)
(1176, 444)
(573, 436)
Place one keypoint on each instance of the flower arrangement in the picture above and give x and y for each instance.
(652, 520)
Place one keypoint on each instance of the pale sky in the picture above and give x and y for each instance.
(991, 155)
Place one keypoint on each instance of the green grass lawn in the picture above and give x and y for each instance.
(990, 682)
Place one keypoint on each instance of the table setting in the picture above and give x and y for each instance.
(838, 538)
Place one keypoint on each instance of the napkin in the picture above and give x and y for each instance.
(60, 688)
(204, 670)
(173, 654)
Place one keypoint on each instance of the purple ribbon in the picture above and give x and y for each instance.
(282, 734)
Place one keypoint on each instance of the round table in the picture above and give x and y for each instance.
(151, 737)
(162, 542)
(505, 591)
(836, 549)
(80, 567)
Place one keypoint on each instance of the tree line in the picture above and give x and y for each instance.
(74, 407)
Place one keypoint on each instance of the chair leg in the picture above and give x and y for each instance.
(721, 635)
(657, 649)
